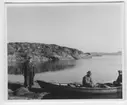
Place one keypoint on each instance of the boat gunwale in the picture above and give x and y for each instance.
(83, 88)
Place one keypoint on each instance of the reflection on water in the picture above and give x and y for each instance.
(55, 66)
(43, 67)
(104, 69)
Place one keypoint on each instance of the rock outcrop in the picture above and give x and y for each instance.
(42, 52)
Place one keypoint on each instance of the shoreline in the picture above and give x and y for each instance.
(17, 91)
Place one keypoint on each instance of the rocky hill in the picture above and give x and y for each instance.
(42, 52)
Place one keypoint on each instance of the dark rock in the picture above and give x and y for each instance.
(21, 91)
(10, 92)
(40, 95)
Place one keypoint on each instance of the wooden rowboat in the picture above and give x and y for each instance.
(66, 89)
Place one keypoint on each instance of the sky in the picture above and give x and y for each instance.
(91, 27)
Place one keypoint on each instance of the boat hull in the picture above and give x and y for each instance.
(82, 92)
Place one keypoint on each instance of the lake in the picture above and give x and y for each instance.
(104, 69)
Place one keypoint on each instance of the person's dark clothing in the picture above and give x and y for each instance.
(119, 79)
(87, 81)
(118, 82)
(28, 73)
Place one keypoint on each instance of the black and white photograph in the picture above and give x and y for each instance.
(64, 50)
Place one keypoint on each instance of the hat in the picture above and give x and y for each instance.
(89, 72)
(120, 71)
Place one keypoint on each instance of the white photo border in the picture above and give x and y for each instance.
(3, 59)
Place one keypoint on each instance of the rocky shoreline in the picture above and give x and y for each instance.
(18, 91)
(40, 52)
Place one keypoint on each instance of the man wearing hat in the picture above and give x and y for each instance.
(87, 80)
(118, 82)
(28, 72)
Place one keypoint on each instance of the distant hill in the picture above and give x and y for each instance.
(104, 53)
(42, 52)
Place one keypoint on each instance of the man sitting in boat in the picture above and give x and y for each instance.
(87, 80)
(118, 82)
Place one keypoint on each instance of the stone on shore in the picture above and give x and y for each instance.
(21, 91)
(10, 92)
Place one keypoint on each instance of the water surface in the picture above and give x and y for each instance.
(104, 69)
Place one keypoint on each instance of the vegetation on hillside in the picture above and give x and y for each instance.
(42, 52)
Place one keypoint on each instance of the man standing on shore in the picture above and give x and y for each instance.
(28, 72)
